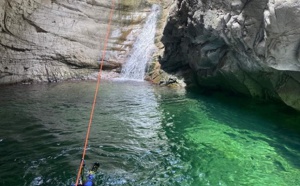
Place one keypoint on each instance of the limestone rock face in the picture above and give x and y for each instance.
(246, 46)
(52, 40)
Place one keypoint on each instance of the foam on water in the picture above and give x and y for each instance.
(143, 48)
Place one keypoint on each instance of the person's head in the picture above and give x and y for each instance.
(96, 166)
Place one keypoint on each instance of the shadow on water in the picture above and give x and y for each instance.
(30, 140)
(276, 120)
(234, 140)
(279, 114)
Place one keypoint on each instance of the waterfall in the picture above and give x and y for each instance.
(135, 65)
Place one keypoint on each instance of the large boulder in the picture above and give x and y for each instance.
(246, 46)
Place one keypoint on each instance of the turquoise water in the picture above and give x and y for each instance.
(145, 135)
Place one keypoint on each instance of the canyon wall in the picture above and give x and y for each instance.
(53, 40)
(246, 46)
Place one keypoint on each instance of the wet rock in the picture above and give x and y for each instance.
(51, 40)
(251, 47)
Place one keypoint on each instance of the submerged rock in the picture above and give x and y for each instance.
(250, 47)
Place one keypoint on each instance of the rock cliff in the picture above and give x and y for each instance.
(53, 40)
(246, 46)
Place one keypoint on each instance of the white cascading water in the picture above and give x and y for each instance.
(135, 66)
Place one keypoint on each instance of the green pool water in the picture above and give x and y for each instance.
(145, 135)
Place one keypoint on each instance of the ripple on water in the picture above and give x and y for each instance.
(141, 135)
(37, 181)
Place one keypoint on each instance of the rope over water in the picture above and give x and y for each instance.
(96, 92)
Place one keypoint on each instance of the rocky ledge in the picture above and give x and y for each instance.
(246, 46)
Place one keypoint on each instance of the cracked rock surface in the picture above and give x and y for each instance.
(246, 46)
(53, 40)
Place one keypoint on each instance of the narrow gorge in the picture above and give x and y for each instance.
(248, 47)
(192, 92)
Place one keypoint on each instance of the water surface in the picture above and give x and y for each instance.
(144, 135)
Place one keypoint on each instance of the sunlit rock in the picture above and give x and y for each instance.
(53, 40)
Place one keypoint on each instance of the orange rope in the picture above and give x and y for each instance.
(96, 92)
